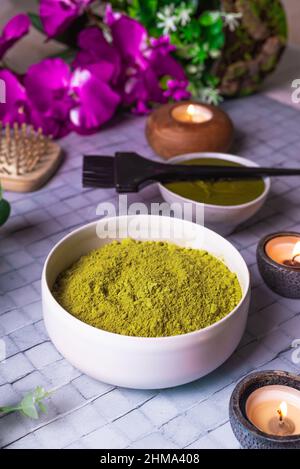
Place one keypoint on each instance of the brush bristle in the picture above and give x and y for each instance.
(98, 171)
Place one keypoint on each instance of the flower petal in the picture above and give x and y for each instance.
(14, 30)
(96, 50)
(142, 87)
(47, 84)
(16, 108)
(57, 15)
(96, 103)
(129, 37)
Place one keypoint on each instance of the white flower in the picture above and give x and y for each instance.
(231, 20)
(167, 19)
(214, 53)
(210, 95)
(215, 15)
(184, 14)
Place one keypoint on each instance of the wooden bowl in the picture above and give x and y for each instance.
(169, 137)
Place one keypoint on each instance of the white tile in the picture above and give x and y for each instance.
(159, 410)
(43, 355)
(104, 438)
(225, 437)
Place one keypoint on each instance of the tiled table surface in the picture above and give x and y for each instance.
(84, 413)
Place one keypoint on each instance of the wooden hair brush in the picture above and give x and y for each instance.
(28, 158)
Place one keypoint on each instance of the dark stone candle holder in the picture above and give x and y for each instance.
(282, 279)
(249, 436)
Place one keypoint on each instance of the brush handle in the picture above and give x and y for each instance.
(168, 173)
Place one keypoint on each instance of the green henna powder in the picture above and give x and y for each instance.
(148, 289)
(219, 192)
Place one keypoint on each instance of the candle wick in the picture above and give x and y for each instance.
(280, 415)
(295, 256)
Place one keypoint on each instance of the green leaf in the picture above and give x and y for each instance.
(216, 42)
(27, 406)
(4, 210)
(30, 404)
(42, 407)
(144, 11)
(36, 21)
(216, 28)
(39, 393)
(164, 81)
(208, 18)
(191, 32)
(67, 55)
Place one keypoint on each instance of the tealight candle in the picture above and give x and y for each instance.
(278, 258)
(188, 127)
(275, 410)
(191, 113)
(264, 410)
(284, 250)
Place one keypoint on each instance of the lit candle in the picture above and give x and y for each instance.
(275, 410)
(284, 250)
(191, 113)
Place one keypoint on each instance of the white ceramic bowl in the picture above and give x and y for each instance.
(222, 219)
(138, 362)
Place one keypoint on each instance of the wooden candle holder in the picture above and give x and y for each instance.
(169, 137)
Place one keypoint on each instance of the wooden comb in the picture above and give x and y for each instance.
(27, 157)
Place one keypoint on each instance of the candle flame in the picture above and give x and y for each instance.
(198, 113)
(282, 410)
(296, 250)
(191, 110)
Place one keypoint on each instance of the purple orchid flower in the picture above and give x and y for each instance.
(162, 45)
(140, 89)
(159, 55)
(50, 98)
(177, 90)
(77, 100)
(16, 108)
(145, 61)
(14, 30)
(94, 101)
(129, 37)
(57, 15)
(95, 50)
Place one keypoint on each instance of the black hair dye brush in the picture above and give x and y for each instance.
(130, 172)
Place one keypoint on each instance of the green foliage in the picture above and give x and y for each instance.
(198, 37)
(4, 208)
(31, 405)
(67, 55)
(36, 21)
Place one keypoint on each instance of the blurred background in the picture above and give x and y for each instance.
(32, 49)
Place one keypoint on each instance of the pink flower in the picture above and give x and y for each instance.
(177, 90)
(77, 100)
(94, 49)
(57, 15)
(16, 108)
(129, 37)
(14, 30)
(144, 62)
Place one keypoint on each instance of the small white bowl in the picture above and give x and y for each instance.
(139, 362)
(220, 218)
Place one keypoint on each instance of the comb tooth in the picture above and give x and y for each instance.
(8, 144)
